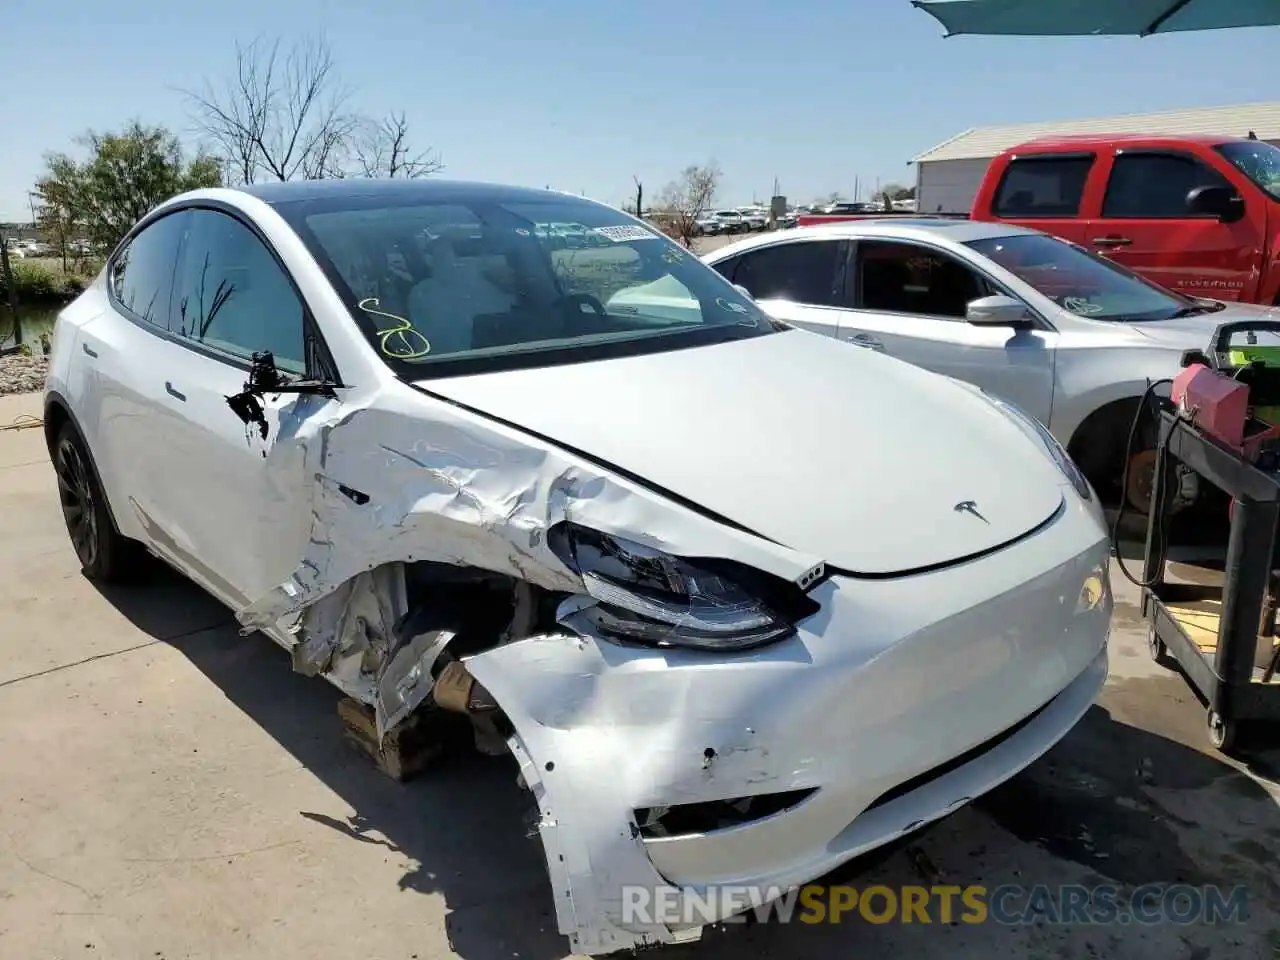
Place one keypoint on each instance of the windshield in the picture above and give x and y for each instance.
(1085, 284)
(458, 287)
(1258, 161)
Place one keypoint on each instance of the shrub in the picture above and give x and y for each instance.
(33, 281)
(43, 282)
(74, 284)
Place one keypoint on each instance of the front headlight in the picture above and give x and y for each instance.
(646, 596)
(1039, 431)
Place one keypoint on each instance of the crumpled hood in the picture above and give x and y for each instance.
(1195, 332)
(820, 446)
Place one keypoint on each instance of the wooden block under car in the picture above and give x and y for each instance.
(404, 753)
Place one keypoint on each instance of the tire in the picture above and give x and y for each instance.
(1100, 448)
(105, 556)
(1223, 734)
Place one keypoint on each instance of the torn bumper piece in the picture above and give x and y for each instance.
(880, 689)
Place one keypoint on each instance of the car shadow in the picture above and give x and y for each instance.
(465, 825)
(1105, 800)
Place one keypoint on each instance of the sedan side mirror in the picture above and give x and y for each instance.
(1221, 202)
(996, 311)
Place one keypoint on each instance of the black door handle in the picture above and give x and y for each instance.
(169, 389)
(89, 350)
(1112, 241)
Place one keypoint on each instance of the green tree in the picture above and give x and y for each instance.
(125, 175)
(56, 216)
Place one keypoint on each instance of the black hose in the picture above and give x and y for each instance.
(1157, 490)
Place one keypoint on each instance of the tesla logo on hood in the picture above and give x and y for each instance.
(968, 506)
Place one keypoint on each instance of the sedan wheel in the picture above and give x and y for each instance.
(1141, 480)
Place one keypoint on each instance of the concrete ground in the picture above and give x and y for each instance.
(170, 789)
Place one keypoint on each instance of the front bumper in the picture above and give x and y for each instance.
(897, 702)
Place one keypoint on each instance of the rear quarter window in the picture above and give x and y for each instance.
(1042, 186)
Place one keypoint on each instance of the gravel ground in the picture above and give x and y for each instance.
(19, 374)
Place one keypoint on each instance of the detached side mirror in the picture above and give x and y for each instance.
(743, 290)
(996, 311)
(1221, 202)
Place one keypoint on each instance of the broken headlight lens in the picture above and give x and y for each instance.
(650, 597)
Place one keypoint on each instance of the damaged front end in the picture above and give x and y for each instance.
(476, 576)
(693, 706)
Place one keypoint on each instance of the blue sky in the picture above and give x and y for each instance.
(582, 95)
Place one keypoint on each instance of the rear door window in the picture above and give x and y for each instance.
(807, 272)
(1042, 186)
(1154, 186)
(141, 276)
(895, 277)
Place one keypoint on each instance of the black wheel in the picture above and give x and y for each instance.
(103, 553)
(1222, 733)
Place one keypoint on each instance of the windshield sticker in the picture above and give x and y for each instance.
(400, 342)
(672, 254)
(1081, 306)
(732, 307)
(622, 234)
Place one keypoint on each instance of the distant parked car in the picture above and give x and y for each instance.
(756, 217)
(847, 206)
(708, 225)
(731, 221)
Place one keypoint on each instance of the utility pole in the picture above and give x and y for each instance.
(10, 288)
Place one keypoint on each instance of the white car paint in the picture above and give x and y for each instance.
(935, 534)
(1062, 371)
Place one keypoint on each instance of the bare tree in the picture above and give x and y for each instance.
(639, 196)
(688, 198)
(283, 115)
(382, 150)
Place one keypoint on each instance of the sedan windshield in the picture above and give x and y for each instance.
(1085, 284)
(1257, 160)
(470, 285)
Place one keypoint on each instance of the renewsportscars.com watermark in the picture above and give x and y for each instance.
(1008, 904)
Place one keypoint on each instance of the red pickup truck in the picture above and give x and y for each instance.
(1200, 215)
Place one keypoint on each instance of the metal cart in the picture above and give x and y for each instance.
(1220, 637)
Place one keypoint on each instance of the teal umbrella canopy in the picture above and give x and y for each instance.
(1069, 18)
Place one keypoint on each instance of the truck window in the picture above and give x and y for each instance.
(1257, 160)
(1042, 186)
(896, 277)
(803, 272)
(1150, 186)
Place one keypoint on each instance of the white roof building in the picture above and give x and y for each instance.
(948, 175)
